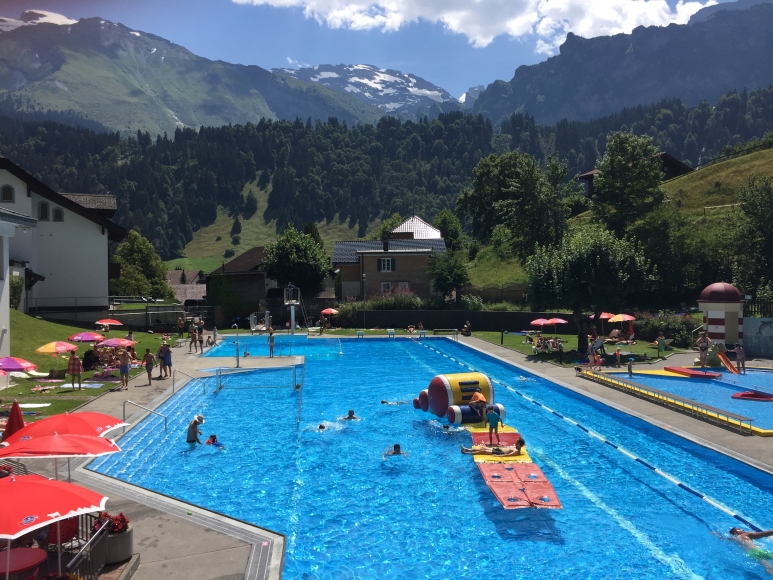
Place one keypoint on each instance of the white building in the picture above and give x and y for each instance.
(63, 255)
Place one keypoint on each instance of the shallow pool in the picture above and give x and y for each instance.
(349, 513)
(718, 392)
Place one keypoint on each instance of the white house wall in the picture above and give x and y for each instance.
(72, 255)
(7, 233)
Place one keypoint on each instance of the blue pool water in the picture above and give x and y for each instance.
(348, 513)
(718, 392)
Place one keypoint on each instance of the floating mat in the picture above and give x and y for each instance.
(510, 495)
(508, 439)
(486, 458)
(483, 428)
(542, 495)
(512, 484)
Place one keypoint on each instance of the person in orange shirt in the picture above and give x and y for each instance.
(478, 403)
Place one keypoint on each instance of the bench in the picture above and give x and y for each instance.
(695, 408)
(422, 333)
(360, 334)
(391, 332)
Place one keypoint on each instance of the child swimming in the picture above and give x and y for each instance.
(215, 443)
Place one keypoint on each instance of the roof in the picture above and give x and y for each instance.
(249, 261)
(114, 231)
(14, 217)
(173, 276)
(420, 229)
(346, 252)
(99, 202)
(189, 291)
(720, 292)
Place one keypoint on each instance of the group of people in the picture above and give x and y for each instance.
(196, 343)
(412, 329)
(192, 437)
(541, 343)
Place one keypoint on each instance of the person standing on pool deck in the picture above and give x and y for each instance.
(193, 431)
(74, 369)
(124, 362)
(166, 355)
(493, 424)
(148, 360)
(752, 550)
(194, 339)
(271, 343)
(703, 343)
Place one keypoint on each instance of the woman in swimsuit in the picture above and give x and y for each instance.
(703, 347)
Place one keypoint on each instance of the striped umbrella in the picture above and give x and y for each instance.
(55, 348)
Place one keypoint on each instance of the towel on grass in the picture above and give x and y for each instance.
(93, 386)
(33, 405)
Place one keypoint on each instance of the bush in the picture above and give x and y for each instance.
(229, 253)
(471, 302)
(17, 285)
(647, 327)
(472, 250)
(501, 241)
(236, 240)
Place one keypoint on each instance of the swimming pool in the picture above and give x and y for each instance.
(718, 392)
(348, 513)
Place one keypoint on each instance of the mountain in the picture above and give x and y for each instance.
(468, 99)
(395, 93)
(130, 80)
(704, 13)
(594, 77)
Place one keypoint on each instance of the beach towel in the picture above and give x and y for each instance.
(33, 405)
(93, 386)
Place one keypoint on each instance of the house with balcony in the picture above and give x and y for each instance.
(398, 262)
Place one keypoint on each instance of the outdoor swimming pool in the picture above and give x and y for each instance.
(348, 513)
(718, 392)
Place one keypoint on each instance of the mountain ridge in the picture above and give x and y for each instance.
(591, 78)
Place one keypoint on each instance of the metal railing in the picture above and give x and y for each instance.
(148, 410)
(66, 304)
(90, 559)
(195, 379)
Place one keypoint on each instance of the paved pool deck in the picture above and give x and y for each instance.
(177, 541)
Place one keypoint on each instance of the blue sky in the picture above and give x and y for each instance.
(455, 44)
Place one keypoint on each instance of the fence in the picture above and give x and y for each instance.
(759, 308)
(497, 292)
(66, 304)
(479, 319)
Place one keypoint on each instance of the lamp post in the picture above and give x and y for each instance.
(236, 326)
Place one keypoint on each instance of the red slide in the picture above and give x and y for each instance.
(726, 361)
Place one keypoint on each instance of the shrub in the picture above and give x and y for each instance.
(229, 253)
(647, 327)
(17, 285)
(471, 302)
(218, 238)
(118, 524)
(472, 250)
(236, 239)
(501, 241)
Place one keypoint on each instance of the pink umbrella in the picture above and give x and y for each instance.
(12, 363)
(116, 342)
(539, 322)
(555, 321)
(109, 321)
(86, 337)
(603, 316)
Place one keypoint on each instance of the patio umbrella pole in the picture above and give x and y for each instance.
(8, 561)
(68, 470)
(59, 543)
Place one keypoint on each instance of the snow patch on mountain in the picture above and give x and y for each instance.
(390, 90)
(32, 17)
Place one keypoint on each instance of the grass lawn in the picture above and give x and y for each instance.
(488, 268)
(29, 333)
(517, 343)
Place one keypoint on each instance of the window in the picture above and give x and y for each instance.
(386, 264)
(404, 286)
(386, 287)
(43, 211)
(58, 214)
(6, 193)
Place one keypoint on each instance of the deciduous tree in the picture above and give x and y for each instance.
(449, 273)
(296, 257)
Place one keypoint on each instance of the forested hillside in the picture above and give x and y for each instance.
(169, 187)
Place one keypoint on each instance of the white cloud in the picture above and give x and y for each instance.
(484, 20)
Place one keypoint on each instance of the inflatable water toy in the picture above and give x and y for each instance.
(753, 395)
(515, 480)
(692, 373)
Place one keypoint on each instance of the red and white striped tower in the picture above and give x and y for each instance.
(722, 307)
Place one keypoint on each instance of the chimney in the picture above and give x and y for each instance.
(385, 241)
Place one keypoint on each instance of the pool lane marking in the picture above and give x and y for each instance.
(708, 499)
(677, 565)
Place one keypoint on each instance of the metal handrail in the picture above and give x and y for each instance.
(87, 546)
(174, 374)
(141, 407)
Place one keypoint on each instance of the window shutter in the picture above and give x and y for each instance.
(393, 264)
(378, 264)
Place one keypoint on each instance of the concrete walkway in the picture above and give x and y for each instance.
(178, 541)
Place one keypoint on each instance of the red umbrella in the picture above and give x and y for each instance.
(12, 363)
(116, 342)
(31, 502)
(86, 337)
(329, 311)
(85, 423)
(15, 421)
(59, 446)
(603, 316)
(109, 321)
(555, 321)
(539, 322)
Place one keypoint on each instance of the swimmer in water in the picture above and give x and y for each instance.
(752, 549)
(321, 427)
(393, 403)
(350, 417)
(215, 443)
(394, 451)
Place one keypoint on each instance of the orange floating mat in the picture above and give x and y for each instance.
(542, 495)
(498, 472)
(506, 439)
(529, 473)
(510, 495)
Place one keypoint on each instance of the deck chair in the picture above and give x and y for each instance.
(67, 534)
